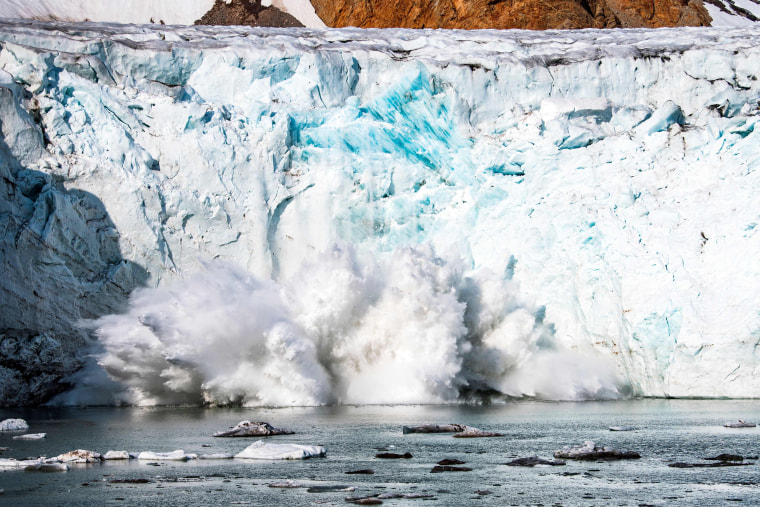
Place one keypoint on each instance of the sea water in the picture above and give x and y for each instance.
(665, 431)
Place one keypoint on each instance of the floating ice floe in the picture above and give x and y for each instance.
(450, 461)
(44, 466)
(330, 489)
(447, 468)
(622, 428)
(286, 484)
(253, 429)
(434, 428)
(216, 456)
(533, 461)
(262, 450)
(722, 460)
(178, 455)
(14, 425)
(10, 463)
(389, 496)
(365, 500)
(470, 432)
(30, 436)
(116, 455)
(79, 456)
(589, 451)
(739, 424)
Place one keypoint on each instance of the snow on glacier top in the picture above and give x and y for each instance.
(733, 12)
(468, 47)
(171, 12)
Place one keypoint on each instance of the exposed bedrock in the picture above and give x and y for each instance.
(530, 14)
(248, 13)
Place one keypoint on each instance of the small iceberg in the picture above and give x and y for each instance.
(590, 451)
(533, 461)
(6, 463)
(390, 496)
(342, 488)
(262, 450)
(450, 461)
(470, 432)
(446, 468)
(721, 460)
(216, 456)
(117, 455)
(434, 428)
(31, 436)
(46, 467)
(79, 456)
(286, 484)
(178, 455)
(13, 425)
(253, 429)
(739, 424)
(622, 428)
(365, 500)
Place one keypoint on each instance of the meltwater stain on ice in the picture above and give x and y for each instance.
(347, 328)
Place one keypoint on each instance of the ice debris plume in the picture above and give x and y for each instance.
(341, 330)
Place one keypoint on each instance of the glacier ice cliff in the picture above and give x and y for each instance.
(295, 217)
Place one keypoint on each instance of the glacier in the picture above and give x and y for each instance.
(285, 217)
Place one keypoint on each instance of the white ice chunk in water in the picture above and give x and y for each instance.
(14, 425)
(31, 436)
(178, 455)
(46, 467)
(262, 450)
(253, 429)
(79, 456)
(116, 455)
(739, 424)
(287, 484)
(6, 463)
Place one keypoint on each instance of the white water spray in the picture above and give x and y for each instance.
(408, 328)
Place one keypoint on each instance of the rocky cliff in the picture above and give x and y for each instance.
(502, 14)
(248, 13)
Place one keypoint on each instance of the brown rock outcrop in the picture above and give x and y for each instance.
(248, 13)
(502, 14)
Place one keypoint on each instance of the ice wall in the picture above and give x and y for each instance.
(409, 216)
